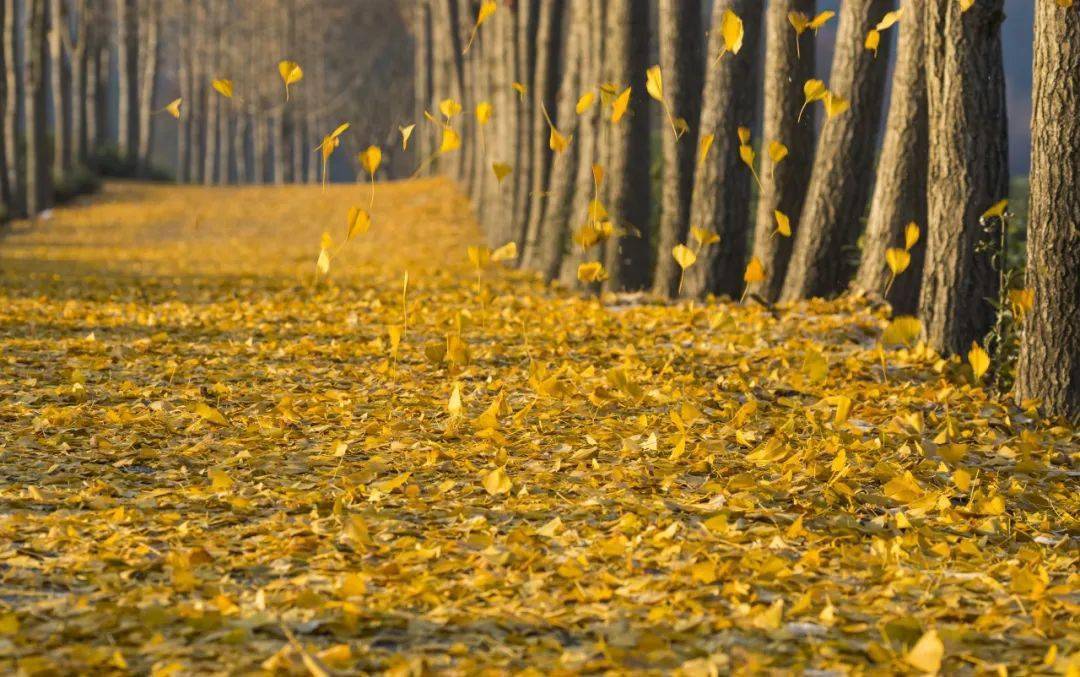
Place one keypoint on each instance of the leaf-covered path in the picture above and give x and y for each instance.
(204, 450)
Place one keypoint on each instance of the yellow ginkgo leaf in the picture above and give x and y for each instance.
(898, 260)
(585, 102)
(484, 111)
(681, 127)
(449, 108)
(889, 20)
(597, 174)
(208, 413)
(902, 330)
(873, 40)
(813, 90)
(406, 134)
(755, 272)
(703, 236)
(173, 108)
(911, 235)
(451, 140)
(821, 19)
(223, 87)
(965, 5)
(507, 252)
(979, 360)
(783, 223)
(520, 89)
(479, 256)
(291, 73)
(799, 21)
(748, 155)
(592, 271)
(497, 482)
(370, 159)
(557, 141)
(927, 653)
(359, 222)
(744, 135)
(996, 211)
(731, 29)
(777, 151)
(684, 256)
(654, 83)
(339, 130)
(704, 145)
(619, 105)
(1022, 300)
(453, 405)
(502, 170)
(835, 104)
(487, 8)
(323, 263)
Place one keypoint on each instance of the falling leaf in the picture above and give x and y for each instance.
(898, 260)
(902, 330)
(507, 252)
(451, 140)
(704, 145)
(911, 235)
(703, 236)
(370, 159)
(520, 89)
(479, 256)
(783, 223)
(619, 106)
(557, 141)
(174, 108)
(979, 360)
(484, 111)
(813, 90)
(799, 21)
(585, 102)
(453, 406)
(359, 222)
(592, 271)
(1022, 301)
(873, 41)
(406, 133)
(777, 151)
(821, 19)
(755, 272)
(744, 135)
(487, 8)
(654, 83)
(223, 87)
(731, 29)
(889, 20)
(965, 5)
(323, 264)
(291, 73)
(449, 108)
(684, 256)
(927, 653)
(996, 211)
(502, 170)
(835, 104)
(497, 482)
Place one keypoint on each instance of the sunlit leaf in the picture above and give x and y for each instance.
(507, 252)
(704, 144)
(996, 211)
(926, 655)
(406, 134)
(783, 223)
(370, 159)
(174, 108)
(684, 256)
(619, 105)
(592, 271)
(359, 222)
(777, 151)
(484, 111)
(898, 260)
(654, 83)
(497, 482)
(501, 170)
(755, 271)
(731, 29)
(520, 89)
(449, 108)
(889, 20)
(585, 102)
(835, 104)
(223, 87)
(979, 360)
(451, 140)
(703, 236)
(911, 235)
(291, 73)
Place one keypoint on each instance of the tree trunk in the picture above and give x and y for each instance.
(721, 198)
(545, 244)
(968, 170)
(127, 70)
(12, 107)
(150, 18)
(37, 164)
(524, 67)
(787, 67)
(78, 94)
(681, 62)
(421, 77)
(1049, 366)
(95, 112)
(627, 259)
(900, 190)
(184, 80)
(545, 86)
(57, 85)
(843, 167)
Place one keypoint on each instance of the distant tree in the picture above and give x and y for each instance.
(58, 77)
(681, 62)
(968, 172)
(1049, 366)
(37, 162)
(836, 198)
(722, 183)
(900, 190)
(149, 55)
(127, 70)
(787, 67)
(12, 106)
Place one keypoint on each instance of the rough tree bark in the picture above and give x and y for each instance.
(149, 55)
(627, 198)
(77, 93)
(681, 62)
(34, 60)
(843, 167)
(1049, 366)
(422, 77)
(58, 76)
(900, 190)
(545, 83)
(721, 197)
(524, 46)
(787, 67)
(968, 170)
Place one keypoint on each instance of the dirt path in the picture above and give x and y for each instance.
(202, 445)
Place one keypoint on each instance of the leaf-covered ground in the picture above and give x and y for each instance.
(204, 450)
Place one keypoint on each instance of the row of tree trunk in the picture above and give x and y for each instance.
(942, 160)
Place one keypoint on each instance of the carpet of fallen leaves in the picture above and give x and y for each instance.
(214, 461)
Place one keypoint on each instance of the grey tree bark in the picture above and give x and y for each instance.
(722, 183)
(77, 93)
(525, 36)
(900, 190)
(628, 258)
(544, 83)
(58, 76)
(10, 107)
(149, 55)
(836, 200)
(786, 69)
(681, 63)
(968, 170)
(127, 76)
(1049, 365)
(34, 58)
